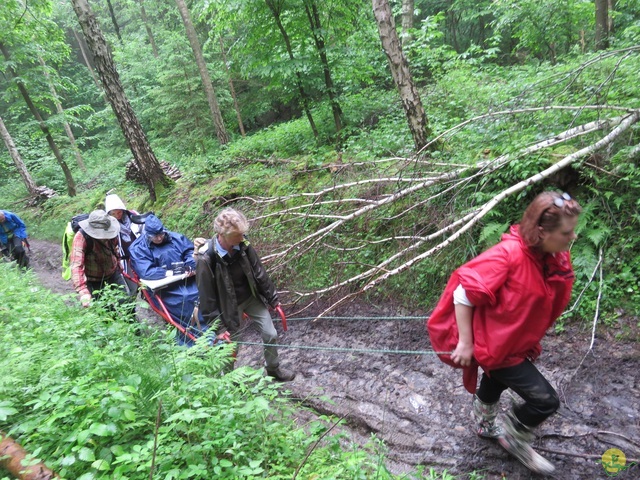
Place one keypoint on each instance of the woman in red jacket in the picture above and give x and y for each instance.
(495, 310)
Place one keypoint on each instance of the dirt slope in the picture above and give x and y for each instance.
(418, 406)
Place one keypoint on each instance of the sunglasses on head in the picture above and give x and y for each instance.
(560, 201)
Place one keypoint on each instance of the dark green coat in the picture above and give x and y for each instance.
(215, 286)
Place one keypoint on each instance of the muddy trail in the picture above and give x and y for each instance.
(417, 405)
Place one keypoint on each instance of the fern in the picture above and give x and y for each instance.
(491, 232)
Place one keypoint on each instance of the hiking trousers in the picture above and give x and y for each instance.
(15, 249)
(541, 399)
(261, 318)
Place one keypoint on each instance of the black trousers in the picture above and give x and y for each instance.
(15, 249)
(541, 399)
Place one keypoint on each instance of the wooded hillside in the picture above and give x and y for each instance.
(373, 143)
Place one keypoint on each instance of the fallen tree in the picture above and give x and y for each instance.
(334, 210)
(19, 463)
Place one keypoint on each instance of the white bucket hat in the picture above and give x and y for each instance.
(113, 202)
(100, 226)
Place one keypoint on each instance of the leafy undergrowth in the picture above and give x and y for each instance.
(93, 400)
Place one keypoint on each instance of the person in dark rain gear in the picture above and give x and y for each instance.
(159, 253)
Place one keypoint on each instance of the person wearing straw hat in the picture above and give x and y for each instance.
(94, 258)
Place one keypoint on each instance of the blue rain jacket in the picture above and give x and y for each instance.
(151, 262)
(12, 225)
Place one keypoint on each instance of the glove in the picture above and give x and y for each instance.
(222, 339)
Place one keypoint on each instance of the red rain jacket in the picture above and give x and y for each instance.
(518, 292)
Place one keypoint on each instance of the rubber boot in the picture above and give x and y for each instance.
(516, 439)
(281, 374)
(485, 415)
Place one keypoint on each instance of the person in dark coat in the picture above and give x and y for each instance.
(155, 255)
(232, 282)
(13, 235)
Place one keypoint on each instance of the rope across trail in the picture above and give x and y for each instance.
(350, 350)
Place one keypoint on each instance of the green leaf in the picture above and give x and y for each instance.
(103, 430)
(6, 409)
(101, 464)
(86, 454)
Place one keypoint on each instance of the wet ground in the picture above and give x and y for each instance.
(417, 405)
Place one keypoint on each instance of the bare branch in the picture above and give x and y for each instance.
(624, 125)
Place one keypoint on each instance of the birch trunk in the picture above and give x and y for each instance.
(17, 160)
(411, 102)
(407, 20)
(216, 114)
(143, 156)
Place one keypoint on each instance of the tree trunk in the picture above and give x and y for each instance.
(610, 24)
(116, 27)
(216, 114)
(602, 24)
(19, 463)
(71, 184)
(145, 20)
(60, 110)
(131, 128)
(86, 60)
(401, 75)
(231, 88)
(316, 30)
(407, 20)
(276, 11)
(15, 156)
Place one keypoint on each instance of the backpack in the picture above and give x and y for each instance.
(67, 242)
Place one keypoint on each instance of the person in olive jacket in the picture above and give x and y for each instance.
(232, 281)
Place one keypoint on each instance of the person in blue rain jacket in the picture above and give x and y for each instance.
(13, 237)
(159, 253)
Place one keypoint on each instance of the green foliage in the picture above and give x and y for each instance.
(85, 392)
(544, 29)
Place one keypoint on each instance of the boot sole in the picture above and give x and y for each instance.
(542, 471)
